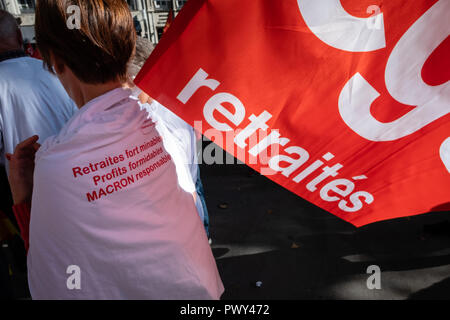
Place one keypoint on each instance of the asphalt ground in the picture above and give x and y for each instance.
(271, 244)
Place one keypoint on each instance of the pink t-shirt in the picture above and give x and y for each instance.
(108, 218)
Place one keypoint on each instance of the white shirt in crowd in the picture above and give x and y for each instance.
(108, 218)
(32, 101)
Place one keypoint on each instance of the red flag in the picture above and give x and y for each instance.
(168, 21)
(29, 49)
(32, 52)
(352, 96)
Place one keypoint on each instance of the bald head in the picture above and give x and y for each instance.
(10, 36)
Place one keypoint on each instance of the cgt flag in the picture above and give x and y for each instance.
(345, 103)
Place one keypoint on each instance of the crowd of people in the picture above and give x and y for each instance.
(149, 239)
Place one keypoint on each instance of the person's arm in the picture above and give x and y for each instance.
(21, 170)
(22, 214)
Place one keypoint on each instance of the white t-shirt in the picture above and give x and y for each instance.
(32, 101)
(108, 210)
(180, 141)
(178, 137)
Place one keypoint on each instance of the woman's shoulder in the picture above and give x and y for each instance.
(97, 124)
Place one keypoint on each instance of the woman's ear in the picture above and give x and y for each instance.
(57, 64)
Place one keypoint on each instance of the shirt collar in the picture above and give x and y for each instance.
(105, 101)
(12, 54)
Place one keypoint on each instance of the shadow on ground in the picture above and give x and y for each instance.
(262, 232)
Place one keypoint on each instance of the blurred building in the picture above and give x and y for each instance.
(150, 16)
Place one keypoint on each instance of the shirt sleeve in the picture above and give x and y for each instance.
(22, 214)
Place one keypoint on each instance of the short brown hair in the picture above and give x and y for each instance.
(99, 50)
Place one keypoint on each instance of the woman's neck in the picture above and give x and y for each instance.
(87, 92)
